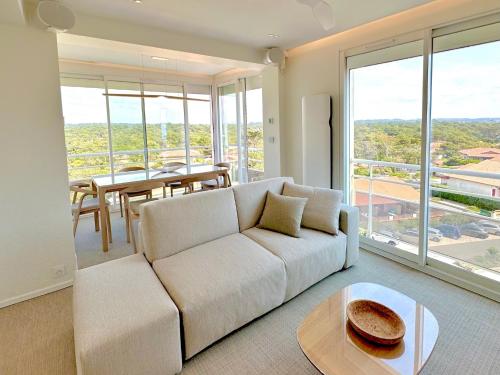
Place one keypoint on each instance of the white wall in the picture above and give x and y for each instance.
(271, 102)
(314, 68)
(35, 221)
(106, 28)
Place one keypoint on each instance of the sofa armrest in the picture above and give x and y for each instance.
(349, 224)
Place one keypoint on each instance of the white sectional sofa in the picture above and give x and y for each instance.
(218, 272)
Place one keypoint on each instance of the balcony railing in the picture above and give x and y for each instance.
(376, 224)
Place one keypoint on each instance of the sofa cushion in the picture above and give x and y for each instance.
(307, 259)
(124, 320)
(175, 224)
(322, 210)
(251, 198)
(282, 214)
(220, 286)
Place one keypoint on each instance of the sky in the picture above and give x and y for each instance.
(88, 105)
(466, 84)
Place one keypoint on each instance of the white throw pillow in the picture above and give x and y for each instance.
(322, 209)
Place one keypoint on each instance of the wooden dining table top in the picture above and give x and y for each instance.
(127, 178)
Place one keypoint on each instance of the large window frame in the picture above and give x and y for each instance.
(434, 263)
(241, 87)
(185, 91)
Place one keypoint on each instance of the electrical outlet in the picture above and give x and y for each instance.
(58, 271)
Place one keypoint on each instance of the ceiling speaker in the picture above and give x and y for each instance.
(55, 15)
(274, 55)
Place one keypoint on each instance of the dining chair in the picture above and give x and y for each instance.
(132, 207)
(185, 184)
(216, 183)
(80, 184)
(88, 204)
(146, 193)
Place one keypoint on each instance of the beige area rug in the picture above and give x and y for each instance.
(36, 336)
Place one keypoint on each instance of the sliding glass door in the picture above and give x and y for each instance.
(385, 116)
(465, 149)
(229, 128)
(423, 119)
(241, 128)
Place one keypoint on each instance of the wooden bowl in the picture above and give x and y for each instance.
(375, 322)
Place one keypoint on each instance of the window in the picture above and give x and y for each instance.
(385, 104)
(107, 133)
(241, 128)
(465, 149)
(127, 133)
(255, 128)
(200, 125)
(85, 127)
(165, 125)
(424, 160)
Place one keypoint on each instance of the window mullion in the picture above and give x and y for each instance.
(186, 126)
(144, 128)
(425, 149)
(110, 132)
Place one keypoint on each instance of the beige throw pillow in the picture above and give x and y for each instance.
(283, 214)
(322, 210)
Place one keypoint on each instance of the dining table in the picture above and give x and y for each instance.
(104, 184)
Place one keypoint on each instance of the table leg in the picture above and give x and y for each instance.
(226, 180)
(102, 212)
(96, 214)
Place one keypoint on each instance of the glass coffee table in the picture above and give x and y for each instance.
(332, 346)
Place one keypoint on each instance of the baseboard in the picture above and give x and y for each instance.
(35, 293)
(439, 274)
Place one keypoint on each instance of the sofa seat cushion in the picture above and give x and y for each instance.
(124, 320)
(220, 286)
(307, 259)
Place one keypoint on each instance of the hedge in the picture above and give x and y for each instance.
(482, 203)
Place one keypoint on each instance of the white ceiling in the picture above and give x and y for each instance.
(247, 22)
(101, 51)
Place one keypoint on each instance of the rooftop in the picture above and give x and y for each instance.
(488, 166)
(481, 152)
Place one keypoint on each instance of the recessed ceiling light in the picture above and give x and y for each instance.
(159, 58)
(273, 35)
(137, 1)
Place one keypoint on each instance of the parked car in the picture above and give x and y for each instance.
(490, 227)
(389, 233)
(474, 230)
(410, 236)
(434, 234)
(450, 231)
(385, 238)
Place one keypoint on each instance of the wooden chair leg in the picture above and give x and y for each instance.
(108, 221)
(96, 221)
(76, 217)
(121, 205)
(131, 229)
(127, 224)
